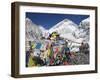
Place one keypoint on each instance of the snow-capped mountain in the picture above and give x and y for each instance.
(85, 24)
(42, 28)
(67, 29)
(45, 32)
(84, 32)
(84, 28)
(65, 26)
(33, 32)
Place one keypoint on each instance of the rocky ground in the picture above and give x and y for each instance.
(80, 58)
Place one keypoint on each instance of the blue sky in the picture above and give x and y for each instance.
(47, 20)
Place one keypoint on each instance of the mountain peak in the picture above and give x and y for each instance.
(85, 23)
(64, 24)
(28, 20)
(86, 20)
(66, 20)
